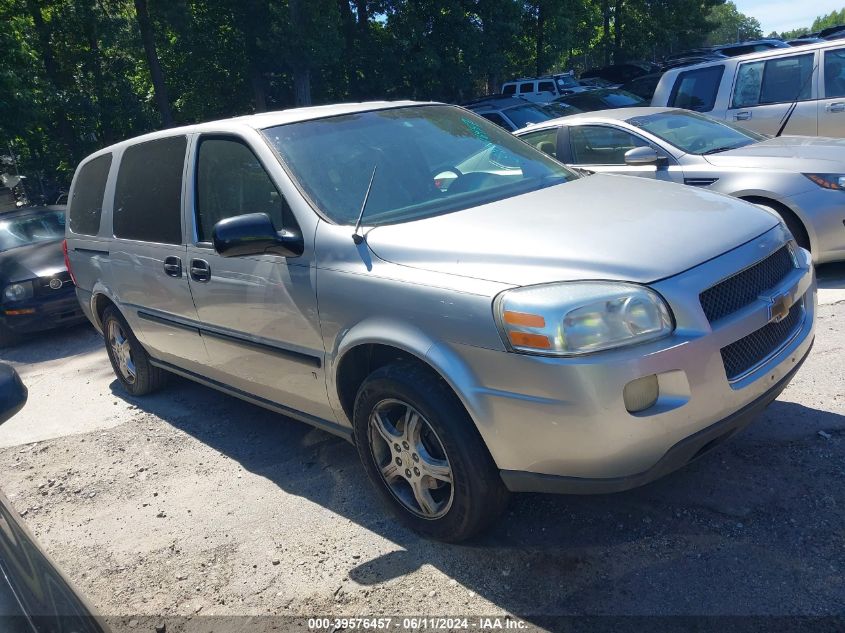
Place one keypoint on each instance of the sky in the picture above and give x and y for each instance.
(785, 15)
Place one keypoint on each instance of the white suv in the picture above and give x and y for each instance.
(543, 89)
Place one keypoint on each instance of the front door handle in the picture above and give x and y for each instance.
(200, 270)
(173, 266)
(742, 116)
(837, 106)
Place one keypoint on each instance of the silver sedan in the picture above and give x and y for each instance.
(801, 179)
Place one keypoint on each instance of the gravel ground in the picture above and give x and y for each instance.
(191, 502)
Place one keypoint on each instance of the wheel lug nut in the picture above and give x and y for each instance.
(408, 472)
(398, 461)
(415, 457)
(417, 471)
(398, 448)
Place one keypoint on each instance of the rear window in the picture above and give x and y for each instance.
(509, 89)
(697, 89)
(147, 199)
(781, 80)
(86, 206)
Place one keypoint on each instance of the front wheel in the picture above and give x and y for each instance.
(424, 454)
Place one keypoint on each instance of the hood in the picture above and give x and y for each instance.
(598, 227)
(817, 154)
(28, 262)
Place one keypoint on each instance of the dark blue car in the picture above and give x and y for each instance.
(36, 290)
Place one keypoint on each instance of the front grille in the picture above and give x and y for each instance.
(734, 293)
(746, 353)
(42, 284)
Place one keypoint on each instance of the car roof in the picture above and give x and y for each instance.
(264, 120)
(22, 211)
(618, 114)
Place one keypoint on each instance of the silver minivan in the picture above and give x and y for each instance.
(472, 315)
(759, 90)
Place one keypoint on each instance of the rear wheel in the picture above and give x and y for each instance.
(424, 454)
(130, 361)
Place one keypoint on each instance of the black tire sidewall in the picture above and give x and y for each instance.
(479, 494)
(147, 377)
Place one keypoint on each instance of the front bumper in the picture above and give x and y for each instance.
(544, 418)
(47, 314)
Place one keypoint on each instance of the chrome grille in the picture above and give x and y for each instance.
(736, 292)
(748, 352)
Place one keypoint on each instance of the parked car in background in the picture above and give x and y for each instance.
(485, 338)
(801, 41)
(602, 100)
(643, 87)
(744, 48)
(543, 89)
(758, 91)
(36, 290)
(513, 113)
(35, 597)
(620, 73)
(596, 82)
(802, 180)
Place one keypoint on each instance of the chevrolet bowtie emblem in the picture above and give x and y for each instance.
(779, 307)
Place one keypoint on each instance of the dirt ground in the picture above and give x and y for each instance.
(192, 502)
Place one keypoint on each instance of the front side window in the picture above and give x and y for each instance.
(834, 73)
(31, 228)
(602, 145)
(544, 140)
(780, 80)
(148, 195)
(230, 182)
(86, 207)
(334, 158)
(546, 86)
(697, 89)
(695, 133)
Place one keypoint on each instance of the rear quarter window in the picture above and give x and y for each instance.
(509, 89)
(697, 89)
(86, 206)
(148, 195)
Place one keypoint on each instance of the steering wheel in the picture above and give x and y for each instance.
(698, 144)
(437, 176)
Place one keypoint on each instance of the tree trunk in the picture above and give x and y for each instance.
(605, 11)
(301, 69)
(347, 21)
(142, 15)
(618, 25)
(95, 63)
(541, 38)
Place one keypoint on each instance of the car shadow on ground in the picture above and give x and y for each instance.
(53, 345)
(753, 527)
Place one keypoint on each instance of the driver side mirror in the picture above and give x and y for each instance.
(642, 156)
(13, 393)
(254, 234)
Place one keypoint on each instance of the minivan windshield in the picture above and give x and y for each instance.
(695, 133)
(25, 229)
(428, 160)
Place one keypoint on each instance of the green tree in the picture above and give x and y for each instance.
(729, 25)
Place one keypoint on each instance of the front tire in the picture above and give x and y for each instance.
(423, 453)
(129, 359)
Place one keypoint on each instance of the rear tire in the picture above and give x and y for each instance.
(129, 360)
(423, 453)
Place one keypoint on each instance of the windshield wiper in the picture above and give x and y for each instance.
(788, 115)
(717, 150)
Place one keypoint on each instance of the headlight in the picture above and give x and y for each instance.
(565, 319)
(828, 181)
(17, 292)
